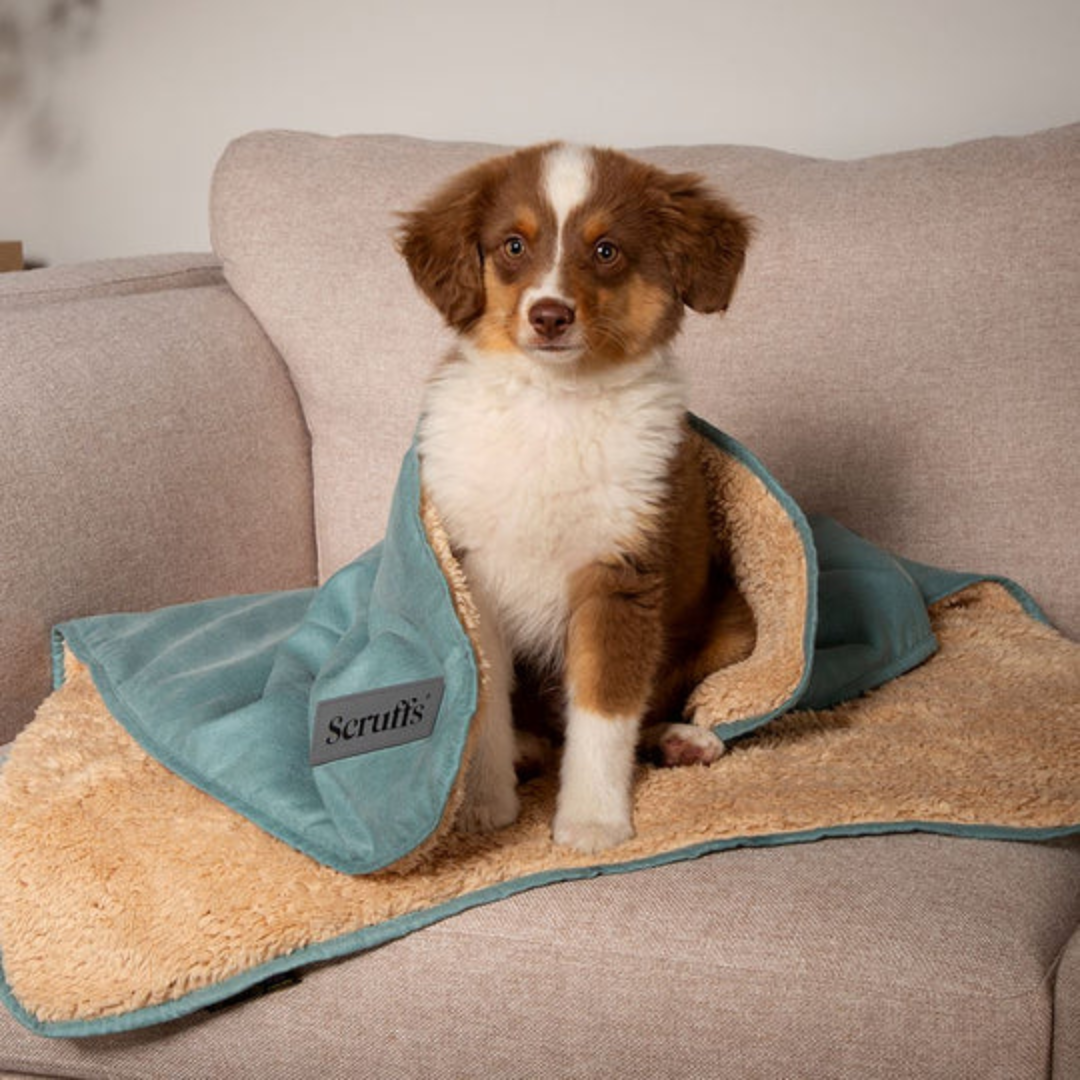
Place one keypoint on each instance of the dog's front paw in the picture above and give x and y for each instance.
(684, 744)
(589, 837)
(493, 810)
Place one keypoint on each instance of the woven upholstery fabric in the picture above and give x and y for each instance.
(879, 957)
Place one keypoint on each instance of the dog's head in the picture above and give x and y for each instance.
(571, 255)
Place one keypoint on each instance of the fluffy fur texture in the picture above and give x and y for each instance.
(121, 885)
(555, 447)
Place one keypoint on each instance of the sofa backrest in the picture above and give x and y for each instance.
(903, 350)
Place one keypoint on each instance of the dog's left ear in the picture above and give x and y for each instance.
(440, 242)
(708, 241)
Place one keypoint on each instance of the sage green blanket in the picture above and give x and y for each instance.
(334, 724)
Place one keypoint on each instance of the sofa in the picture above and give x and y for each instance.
(904, 354)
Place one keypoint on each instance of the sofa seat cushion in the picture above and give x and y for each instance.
(879, 957)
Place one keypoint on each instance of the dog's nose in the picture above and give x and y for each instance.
(551, 318)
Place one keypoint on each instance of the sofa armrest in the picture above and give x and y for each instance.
(153, 452)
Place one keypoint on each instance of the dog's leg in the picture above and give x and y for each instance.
(491, 799)
(613, 648)
(594, 806)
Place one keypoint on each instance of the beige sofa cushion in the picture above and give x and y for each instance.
(902, 352)
(898, 956)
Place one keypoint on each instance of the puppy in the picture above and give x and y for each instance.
(555, 446)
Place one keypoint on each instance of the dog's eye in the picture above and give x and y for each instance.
(605, 252)
(514, 246)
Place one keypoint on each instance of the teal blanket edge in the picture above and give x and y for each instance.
(191, 684)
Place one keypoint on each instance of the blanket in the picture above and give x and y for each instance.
(218, 793)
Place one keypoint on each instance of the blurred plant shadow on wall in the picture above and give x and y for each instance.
(39, 39)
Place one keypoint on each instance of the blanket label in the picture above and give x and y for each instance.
(375, 720)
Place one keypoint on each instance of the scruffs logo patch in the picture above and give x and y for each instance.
(375, 720)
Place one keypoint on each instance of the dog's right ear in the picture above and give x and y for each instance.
(708, 241)
(440, 241)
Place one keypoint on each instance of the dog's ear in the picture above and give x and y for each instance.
(707, 242)
(440, 242)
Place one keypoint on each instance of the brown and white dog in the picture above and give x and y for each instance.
(555, 447)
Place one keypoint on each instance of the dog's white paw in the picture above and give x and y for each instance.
(495, 809)
(589, 837)
(685, 744)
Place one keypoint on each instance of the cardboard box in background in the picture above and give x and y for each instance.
(11, 255)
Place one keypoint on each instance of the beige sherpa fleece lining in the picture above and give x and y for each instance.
(768, 565)
(122, 886)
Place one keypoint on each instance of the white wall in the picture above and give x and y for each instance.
(139, 103)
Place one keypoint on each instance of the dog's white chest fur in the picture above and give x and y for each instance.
(535, 476)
